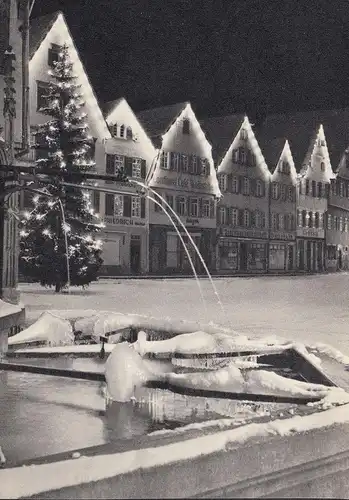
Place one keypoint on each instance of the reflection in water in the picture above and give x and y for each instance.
(43, 415)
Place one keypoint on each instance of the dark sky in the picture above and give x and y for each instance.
(224, 56)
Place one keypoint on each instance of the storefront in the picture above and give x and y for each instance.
(242, 251)
(167, 254)
(282, 251)
(311, 250)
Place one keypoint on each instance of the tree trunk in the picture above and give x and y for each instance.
(58, 287)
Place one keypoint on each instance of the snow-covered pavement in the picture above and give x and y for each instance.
(309, 309)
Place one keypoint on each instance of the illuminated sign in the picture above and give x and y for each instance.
(244, 233)
(193, 222)
(307, 232)
(183, 183)
(282, 236)
(122, 221)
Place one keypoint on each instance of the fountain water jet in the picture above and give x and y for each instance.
(184, 245)
(66, 243)
(189, 237)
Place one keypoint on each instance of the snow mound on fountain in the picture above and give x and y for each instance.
(48, 328)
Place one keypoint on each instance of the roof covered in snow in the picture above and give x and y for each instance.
(221, 131)
(39, 27)
(157, 121)
(299, 128)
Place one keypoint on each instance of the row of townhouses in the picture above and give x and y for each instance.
(266, 198)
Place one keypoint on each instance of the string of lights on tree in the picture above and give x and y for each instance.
(66, 143)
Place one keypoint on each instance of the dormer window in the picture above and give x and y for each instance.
(129, 134)
(122, 131)
(186, 126)
(284, 167)
(322, 166)
(53, 54)
(321, 142)
(114, 130)
(243, 134)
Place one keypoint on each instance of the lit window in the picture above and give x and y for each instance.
(114, 130)
(181, 206)
(206, 208)
(299, 218)
(235, 185)
(222, 215)
(222, 182)
(136, 168)
(247, 218)
(346, 224)
(321, 220)
(194, 207)
(310, 219)
(122, 131)
(259, 188)
(118, 205)
(186, 126)
(246, 186)
(275, 190)
(341, 223)
(164, 161)
(136, 206)
(234, 217)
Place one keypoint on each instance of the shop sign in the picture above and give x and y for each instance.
(244, 233)
(310, 232)
(122, 221)
(186, 183)
(282, 236)
(192, 222)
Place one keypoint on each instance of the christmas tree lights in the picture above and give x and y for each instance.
(66, 141)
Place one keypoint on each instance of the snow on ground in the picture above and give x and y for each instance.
(26, 481)
(308, 309)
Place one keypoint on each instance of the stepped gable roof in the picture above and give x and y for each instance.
(38, 29)
(220, 132)
(301, 127)
(157, 121)
(109, 106)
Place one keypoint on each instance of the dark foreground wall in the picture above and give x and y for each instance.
(312, 464)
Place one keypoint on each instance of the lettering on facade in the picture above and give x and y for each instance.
(183, 183)
(192, 221)
(310, 232)
(241, 233)
(282, 236)
(122, 221)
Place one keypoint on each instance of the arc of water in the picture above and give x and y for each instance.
(66, 242)
(183, 243)
(189, 237)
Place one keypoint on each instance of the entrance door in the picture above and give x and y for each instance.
(243, 256)
(135, 255)
(309, 263)
(290, 257)
(340, 263)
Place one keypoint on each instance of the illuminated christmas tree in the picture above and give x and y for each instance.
(45, 231)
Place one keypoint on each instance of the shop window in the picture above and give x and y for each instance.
(172, 251)
(222, 215)
(246, 186)
(206, 208)
(331, 252)
(313, 188)
(222, 182)
(234, 217)
(193, 207)
(235, 185)
(228, 252)
(257, 257)
(277, 256)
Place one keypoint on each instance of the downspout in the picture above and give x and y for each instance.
(25, 74)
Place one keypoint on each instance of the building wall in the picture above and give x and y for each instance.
(337, 225)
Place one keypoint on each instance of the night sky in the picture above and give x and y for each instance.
(225, 56)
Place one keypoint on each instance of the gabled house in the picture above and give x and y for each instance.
(242, 213)
(183, 174)
(125, 248)
(337, 220)
(282, 205)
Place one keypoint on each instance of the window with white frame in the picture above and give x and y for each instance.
(122, 131)
(222, 215)
(247, 218)
(114, 129)
(281, 222)
(136, 168)
(175, 161)
(164, 163)
(259, 188)
(234, 184)
(275, 190)
(136, 206)
(246, 186)
(329, 221)
(181, 205)
(341, 223)
(119, 162)
(184, 162)
(346, 224)
(222, 182)
(299, 218)
(234, 217)
(118, 205)
(206, 208)
(193, 207)
(243, 134)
